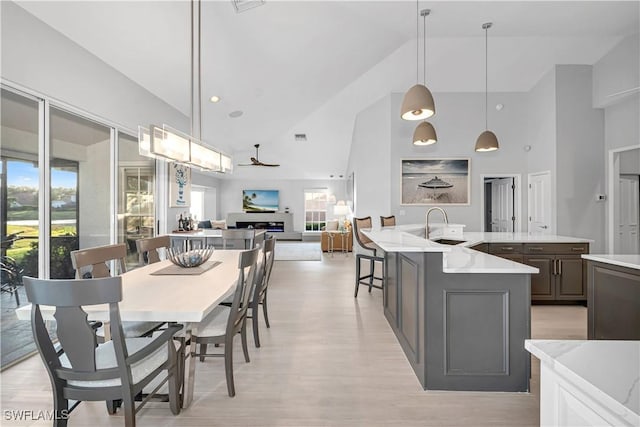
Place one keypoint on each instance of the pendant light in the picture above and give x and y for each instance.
(487, 141)
(425, 133)
(418, 102)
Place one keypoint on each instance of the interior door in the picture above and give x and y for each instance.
(502, 205)
(629, 212)
(540, 203)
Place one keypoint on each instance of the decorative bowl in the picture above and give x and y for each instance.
(188, 259)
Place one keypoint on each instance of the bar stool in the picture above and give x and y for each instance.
(367, 244)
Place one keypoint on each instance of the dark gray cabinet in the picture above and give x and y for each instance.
(614, 302)
(561, 274)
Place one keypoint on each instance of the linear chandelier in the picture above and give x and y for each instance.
(166, 143)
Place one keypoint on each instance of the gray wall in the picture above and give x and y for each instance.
(618, 70)
(369, 160)
(580, 166)
(630, 162)
(541, 125)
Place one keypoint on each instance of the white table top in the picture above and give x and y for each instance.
(206, 232)
(455, 259)
(166, 298)
(629, 261)
(608, 371)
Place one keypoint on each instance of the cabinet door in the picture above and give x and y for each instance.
(569, 281)
(542, 284)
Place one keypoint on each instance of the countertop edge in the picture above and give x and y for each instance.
(612, 259)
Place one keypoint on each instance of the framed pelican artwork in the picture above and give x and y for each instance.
(436, 181)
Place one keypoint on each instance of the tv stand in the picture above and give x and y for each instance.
(279, 225)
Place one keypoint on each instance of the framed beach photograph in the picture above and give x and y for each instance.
(436, 181)
(179, 185)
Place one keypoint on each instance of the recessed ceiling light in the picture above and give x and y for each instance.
(235, 114)
(215, 98)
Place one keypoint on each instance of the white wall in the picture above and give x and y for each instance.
(94, 195)
(369, 160)
(39, 58)
(291, 195)
(617, 71)
(580, 166)
(630, 162)
(541, 125)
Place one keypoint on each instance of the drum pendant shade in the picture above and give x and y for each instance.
(425, 134)
(487, 141)
(417, 104)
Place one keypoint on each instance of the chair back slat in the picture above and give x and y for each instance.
(246, 281)
(77, 337)
(97, 259)
(245, 234)
(388, 221)
(148, 248)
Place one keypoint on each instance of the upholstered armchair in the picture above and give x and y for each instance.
(333, 226)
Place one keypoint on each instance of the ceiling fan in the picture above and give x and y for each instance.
(256, 162)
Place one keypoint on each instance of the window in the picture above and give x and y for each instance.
(197, 203)
(315, 209)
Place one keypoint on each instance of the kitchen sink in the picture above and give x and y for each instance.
(448, 241)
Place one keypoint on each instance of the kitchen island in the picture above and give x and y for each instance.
(461, 316)
(588, 383)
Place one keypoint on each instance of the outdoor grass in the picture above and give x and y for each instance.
(32, 214)
(30, 234)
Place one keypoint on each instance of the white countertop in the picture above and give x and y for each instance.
(607, 371)
(629, 261)
(455, 259)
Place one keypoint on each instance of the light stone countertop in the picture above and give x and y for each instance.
(607, 371)
(629, 261)
(456, 258)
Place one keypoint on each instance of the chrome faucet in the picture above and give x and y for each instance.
(444, 214)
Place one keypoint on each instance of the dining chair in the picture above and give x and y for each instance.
(366, 244)
(148, 249)
(225, 322)
(97, 259)
(388, 221)
(246, 234)
(81, 371)
(259, 297)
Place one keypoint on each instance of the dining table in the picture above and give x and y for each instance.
(187, 298)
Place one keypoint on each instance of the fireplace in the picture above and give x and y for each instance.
(272, 226)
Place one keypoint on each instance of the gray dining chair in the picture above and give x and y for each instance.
(366, 244)
(225, 323)
(93, 263)
(79, 369)
(247, 235)
(148, 252)
(259, 297)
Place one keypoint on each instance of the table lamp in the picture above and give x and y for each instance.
(341, 210)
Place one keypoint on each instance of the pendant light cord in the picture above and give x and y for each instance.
(196, 51)
(417, 41)
(486, 76)
(424, 48)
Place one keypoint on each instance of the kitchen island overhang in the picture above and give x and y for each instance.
(460, 316)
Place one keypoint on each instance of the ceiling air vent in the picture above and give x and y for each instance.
(243, 5)
(300, 137)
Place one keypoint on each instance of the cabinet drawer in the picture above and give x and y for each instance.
(505, 248)
(556, 248)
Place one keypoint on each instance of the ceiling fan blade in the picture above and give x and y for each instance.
(269, 165)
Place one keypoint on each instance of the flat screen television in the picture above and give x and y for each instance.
(259, 200)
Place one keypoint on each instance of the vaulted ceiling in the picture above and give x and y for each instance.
(311, 66)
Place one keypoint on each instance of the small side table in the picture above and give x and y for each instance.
(333, 234)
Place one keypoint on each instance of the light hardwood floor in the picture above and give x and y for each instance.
(328, 360)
